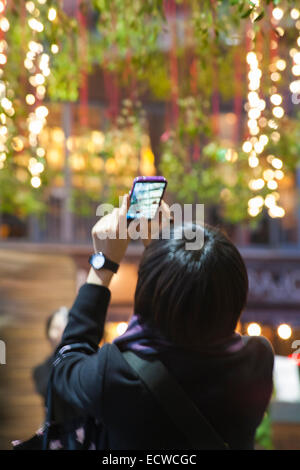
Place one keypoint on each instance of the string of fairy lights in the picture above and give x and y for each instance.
(37, 63)
(295, 54)
(6, 94)
(274, 173)
(257, 141)
(255, 144)
(284, 331)
(270, 176)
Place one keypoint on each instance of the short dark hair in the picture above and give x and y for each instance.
(194, 297)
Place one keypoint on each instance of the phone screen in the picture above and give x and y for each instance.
(145, 199)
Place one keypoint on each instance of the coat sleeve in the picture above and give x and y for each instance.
(79, 365)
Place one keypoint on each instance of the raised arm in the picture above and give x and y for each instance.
(79, 365)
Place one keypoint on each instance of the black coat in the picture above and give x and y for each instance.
(41, 375)
(231, 391)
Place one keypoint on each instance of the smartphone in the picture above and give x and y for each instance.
(145, 196)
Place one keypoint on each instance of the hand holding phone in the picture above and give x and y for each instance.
(145, 196)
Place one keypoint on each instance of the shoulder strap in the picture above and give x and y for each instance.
(173, 399)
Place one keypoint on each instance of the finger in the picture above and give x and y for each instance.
(165, 209)
(115, 218)
(124, 205)
(163, 212)
(144, 222)
(122, 217)
(133, 226)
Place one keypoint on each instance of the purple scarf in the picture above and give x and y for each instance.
(148, 341)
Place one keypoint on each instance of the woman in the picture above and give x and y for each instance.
(186, 309)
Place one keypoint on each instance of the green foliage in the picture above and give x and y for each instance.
(17, 197)
(128, 27)
(64, 80)
(263, 437)
(136, 33)
(111, 166)
(289, 144)
(199, 171)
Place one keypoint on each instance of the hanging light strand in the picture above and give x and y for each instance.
(255, 143)
(6, 95)
(37, 62)
(274, 173)
(295, 54)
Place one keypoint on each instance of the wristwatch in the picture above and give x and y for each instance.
(100, 261)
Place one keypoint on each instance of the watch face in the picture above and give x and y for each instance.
(98, 261)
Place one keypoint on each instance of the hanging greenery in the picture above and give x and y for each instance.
(106, 162)
(188, 54)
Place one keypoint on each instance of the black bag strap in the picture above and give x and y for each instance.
(60, 354)
(49, 411)
(179, 407)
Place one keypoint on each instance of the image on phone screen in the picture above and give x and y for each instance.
(145, 199)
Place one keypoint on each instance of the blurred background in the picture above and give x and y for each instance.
(94, 93)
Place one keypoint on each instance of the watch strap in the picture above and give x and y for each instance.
(110, 265)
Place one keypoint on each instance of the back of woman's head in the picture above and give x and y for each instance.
(194, 297)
